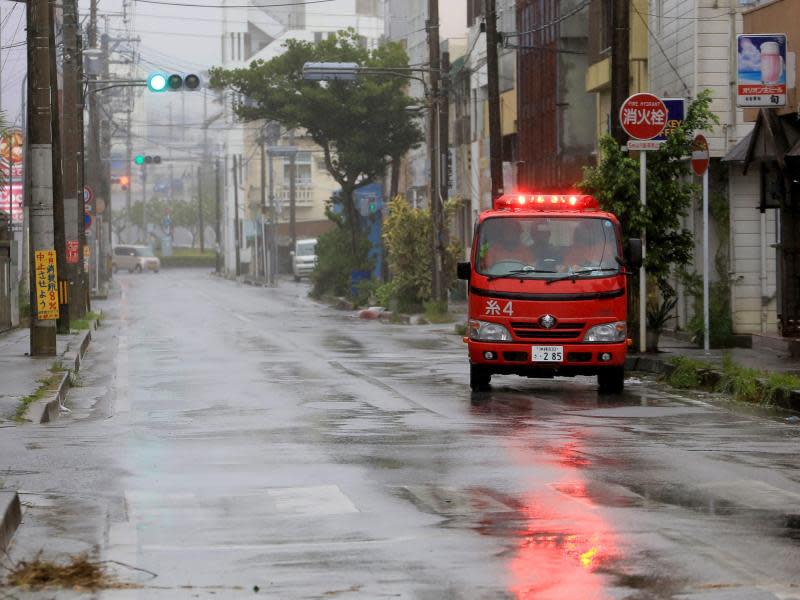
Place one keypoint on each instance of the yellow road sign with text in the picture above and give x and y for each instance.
(46, 285)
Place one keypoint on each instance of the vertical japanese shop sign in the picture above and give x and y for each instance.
(12, 154)
(46, 285)
(72, 252)
(761, 70)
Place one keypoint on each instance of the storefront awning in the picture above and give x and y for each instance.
(772, 139)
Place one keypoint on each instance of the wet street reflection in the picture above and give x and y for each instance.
(295, 448)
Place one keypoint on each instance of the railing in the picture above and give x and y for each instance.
(304, 194)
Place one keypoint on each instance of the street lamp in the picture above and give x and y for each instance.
(330, 71)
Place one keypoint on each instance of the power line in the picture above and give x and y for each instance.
(166, 3)
(663, 52)
(563, 17)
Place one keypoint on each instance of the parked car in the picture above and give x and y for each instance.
(304, 258)
(135, 258)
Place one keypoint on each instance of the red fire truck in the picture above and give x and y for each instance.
(548, 290)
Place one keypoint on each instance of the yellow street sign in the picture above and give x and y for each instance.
(46, 285)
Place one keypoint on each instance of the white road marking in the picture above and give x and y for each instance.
(123, 403)
(312, 500)
(242, 318)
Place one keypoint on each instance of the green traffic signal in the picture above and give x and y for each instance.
(161, 82)
(157, 82)
(139, 160)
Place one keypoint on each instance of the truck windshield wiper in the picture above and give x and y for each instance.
(517, 272)
(575, 274)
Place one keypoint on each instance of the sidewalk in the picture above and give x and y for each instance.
(20, 375)
(763, 359)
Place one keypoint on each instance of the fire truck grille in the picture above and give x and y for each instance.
(533, 331)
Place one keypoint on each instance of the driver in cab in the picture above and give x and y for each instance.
(517, 249)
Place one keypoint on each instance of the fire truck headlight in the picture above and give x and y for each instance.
(607, 332)
(482, 331)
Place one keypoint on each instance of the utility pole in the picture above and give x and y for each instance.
(236, 213)
(434, 133)
(144, 203)
(104, 215)
(267, 260)
(59, 233)
(443, 235)
(73, 210)
(129, 154)
(94, 169)
(292, 191)
(495, 124)
(200, 208)
(273, 238)
(40, 136)
(620, 64)
(83, 263)
(217, 230)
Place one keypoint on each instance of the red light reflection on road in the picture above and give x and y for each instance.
(564, 539)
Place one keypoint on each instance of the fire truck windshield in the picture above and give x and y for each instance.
(547, 247)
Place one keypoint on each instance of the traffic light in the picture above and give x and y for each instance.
(161, 82)
(146, 159)
(124, 182)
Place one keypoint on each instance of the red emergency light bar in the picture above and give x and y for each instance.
(546, 202)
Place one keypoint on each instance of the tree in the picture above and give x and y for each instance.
(670, 191)
(185, 214)
(360, 125)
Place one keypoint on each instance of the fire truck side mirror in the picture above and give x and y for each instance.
(634, 254)
(464, 270)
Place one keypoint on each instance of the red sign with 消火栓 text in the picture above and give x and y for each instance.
(643, 116)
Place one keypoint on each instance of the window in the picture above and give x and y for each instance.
(547, 248)
(302, 163)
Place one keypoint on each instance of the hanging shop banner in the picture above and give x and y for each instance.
(12, 154)
(72, 252)
(46, 285)
(761, 70)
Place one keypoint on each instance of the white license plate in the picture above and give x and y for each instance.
(547, 354)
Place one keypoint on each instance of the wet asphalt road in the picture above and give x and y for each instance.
(225, 437)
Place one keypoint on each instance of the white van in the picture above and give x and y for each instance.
(304, 258)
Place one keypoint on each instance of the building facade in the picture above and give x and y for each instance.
(555, 116)
(260, 33)
(693, 48)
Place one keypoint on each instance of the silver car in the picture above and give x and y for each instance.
(135, 258)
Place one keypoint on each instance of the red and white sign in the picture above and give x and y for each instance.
(643, 116)
(88, 194)
(12, 166)
(11, 201)
(72, 252)
(700, 156)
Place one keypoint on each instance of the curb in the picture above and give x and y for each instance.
(10, 518)
(789, 400)
(48, 410)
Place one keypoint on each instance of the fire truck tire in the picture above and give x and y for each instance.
(611, 381)
(479, 378)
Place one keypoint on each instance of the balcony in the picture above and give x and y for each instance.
(304, 194)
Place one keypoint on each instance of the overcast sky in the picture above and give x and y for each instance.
(173, 38)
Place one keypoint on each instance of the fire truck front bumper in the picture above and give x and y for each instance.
(549, 360)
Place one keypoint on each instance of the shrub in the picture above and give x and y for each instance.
(687, 373)
(740, 382)
(407, 234)
(336, 261)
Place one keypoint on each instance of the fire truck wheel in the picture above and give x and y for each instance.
(611, 381)
(479, 378)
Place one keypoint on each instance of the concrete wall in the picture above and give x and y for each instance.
(753, 259)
